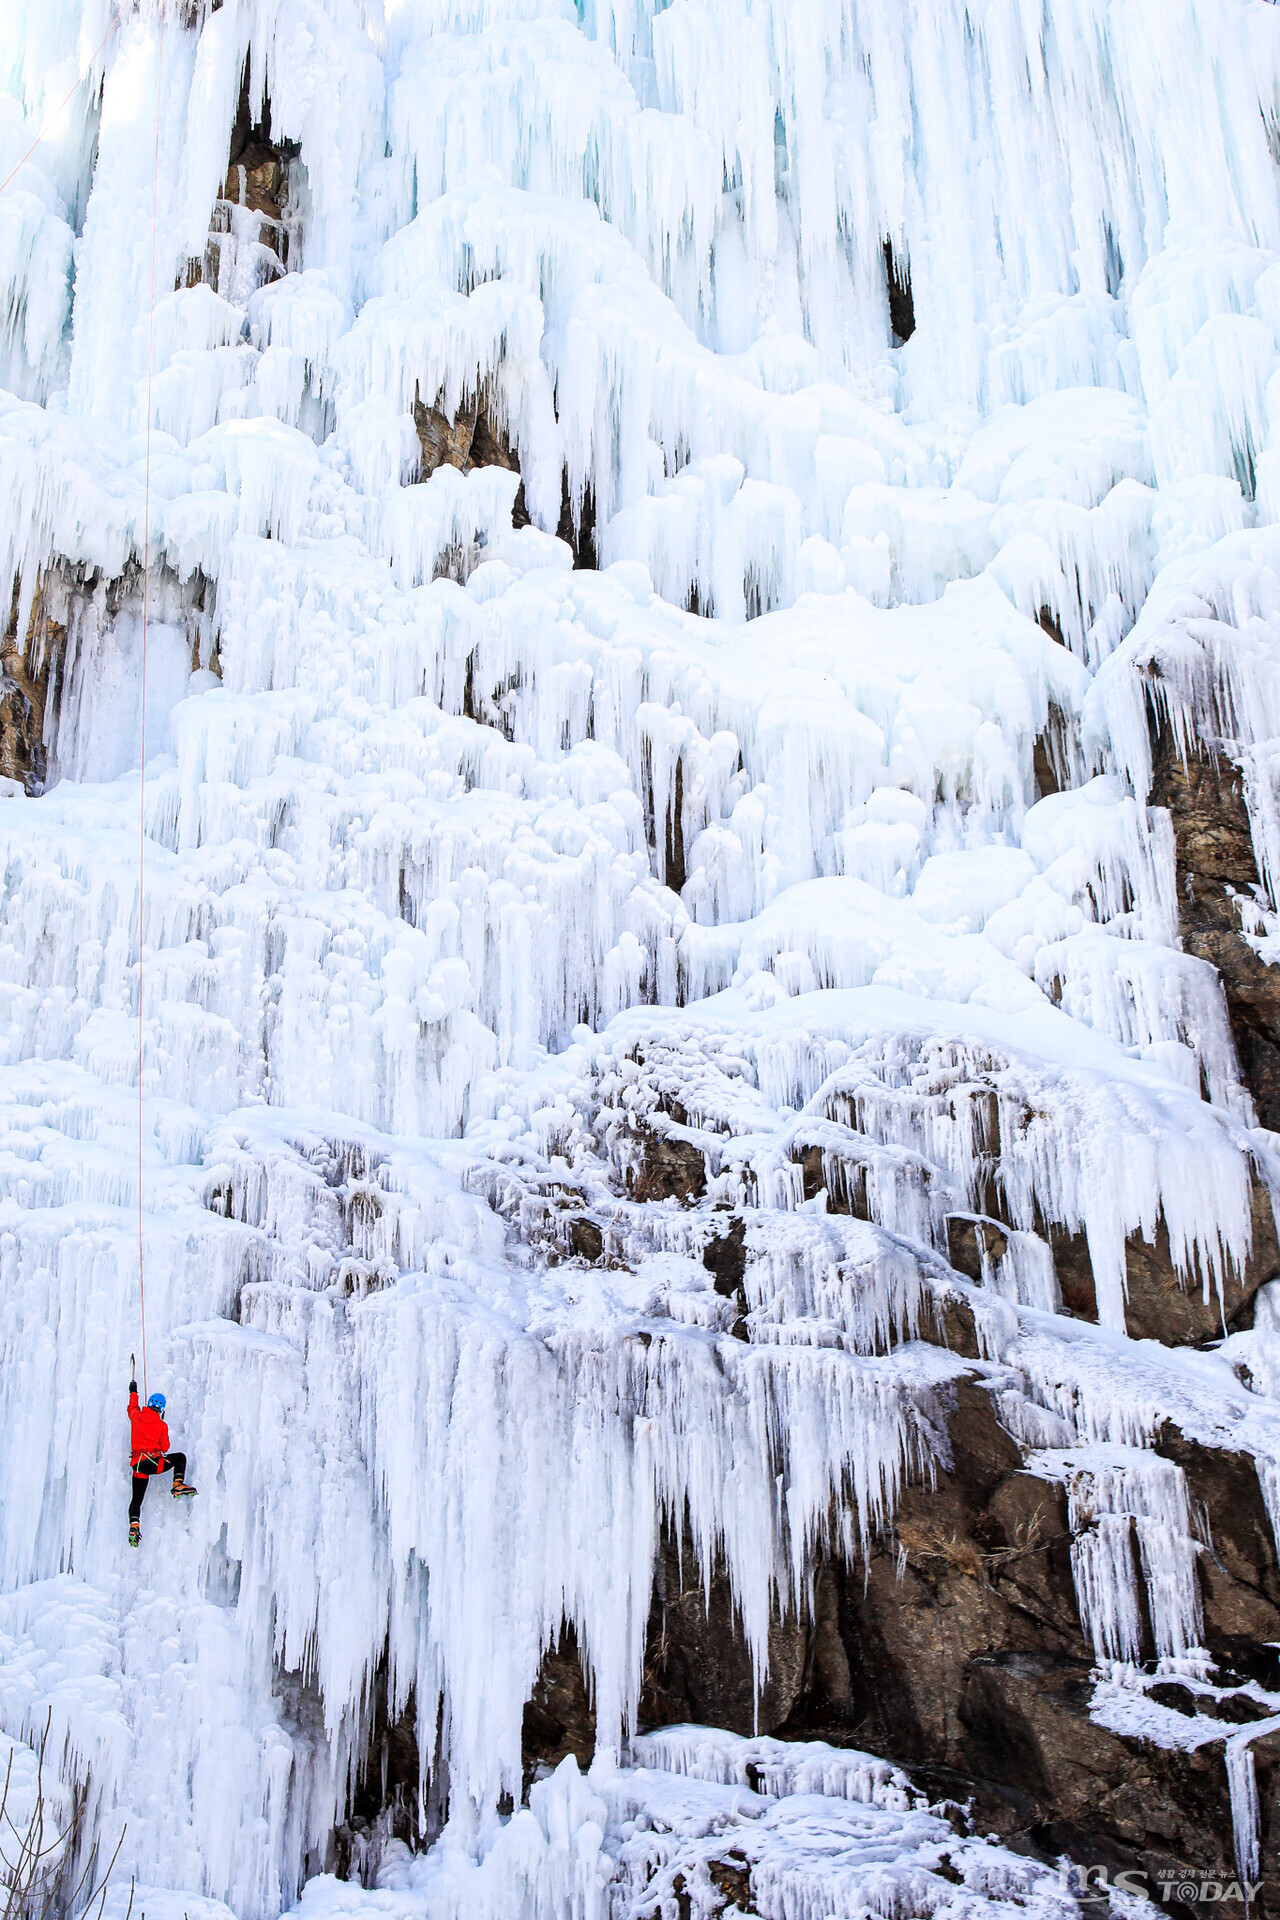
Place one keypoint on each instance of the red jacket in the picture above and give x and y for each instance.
(147, 1430)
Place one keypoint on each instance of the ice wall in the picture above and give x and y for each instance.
(810, 828)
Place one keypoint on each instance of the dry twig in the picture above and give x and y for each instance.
(39, 1877)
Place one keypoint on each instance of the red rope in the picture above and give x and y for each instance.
(59, 111)
(142, 769)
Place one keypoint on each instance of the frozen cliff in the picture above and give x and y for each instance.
(640, 745)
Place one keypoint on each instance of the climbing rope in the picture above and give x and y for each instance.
(60, 110)
(142, 765)
(12, 174)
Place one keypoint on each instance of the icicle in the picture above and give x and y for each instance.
(1118, 1502)
(738, 805)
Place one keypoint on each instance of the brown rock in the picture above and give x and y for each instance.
(586, 1239)
(1074, 1269)
(949, 1322)
(969, 1236)
(828, 1677)
(1046, 778)
(256, 179)
(25, 673)
(982, 1452)
(1206, 803)
(897, 280)
(670, 1168)
(845, 1180)
(812, 1177)
(467, 441)
(732, 1876)
(578, 529)
(1235, 1708)
(957, 1651)
(985, 1569)
(444, 442)
(1266, 1762)
(697, 1665)
(1051, 756)
(1234, 1613)
(674, 872)
(1026, 1533)
(384, 1801)
(1159, 1306)
(558, 1718)
(1224, 1492)
(1027, 1718)
(726, 1258)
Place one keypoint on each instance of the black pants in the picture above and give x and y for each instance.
(149, 1464)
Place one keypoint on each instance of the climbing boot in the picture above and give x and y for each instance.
(135, 1534)
(181, 1490)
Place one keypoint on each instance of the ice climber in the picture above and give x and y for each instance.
(149, 1453)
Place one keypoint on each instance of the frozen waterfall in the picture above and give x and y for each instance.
(705, 563)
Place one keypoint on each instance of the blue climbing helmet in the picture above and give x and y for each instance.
(157, 1401)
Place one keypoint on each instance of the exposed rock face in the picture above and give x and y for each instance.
(669, 1168)
(975, 1662)
(958, 1652)
(1160, 1306)
(384, 1805)
(674, 869)
(25, 674)
(697, 1666)
(974, 1243)
(726, 1258)
(577, 527)
(469, 440)
(732, 1876)
(1205, 799)
(958, 1648)
(243, 253)
(475, 437)
(1051, 759)
(586, 1239)
(559, 1718)
(1239, 1574)
(902, 312)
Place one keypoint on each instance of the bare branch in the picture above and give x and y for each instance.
(39, 1878)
